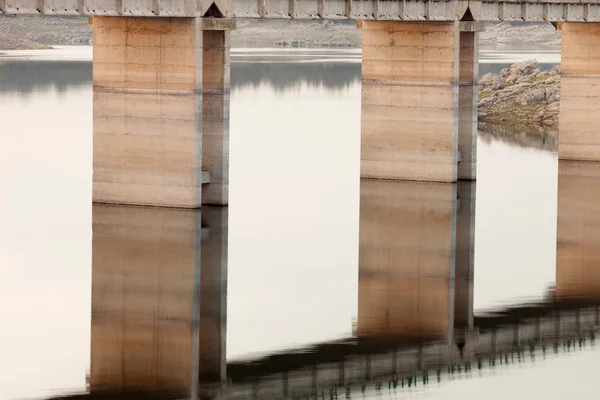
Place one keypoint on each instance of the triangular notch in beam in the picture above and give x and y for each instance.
(213, 11)
(467, 16)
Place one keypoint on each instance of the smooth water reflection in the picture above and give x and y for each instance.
(297, 273)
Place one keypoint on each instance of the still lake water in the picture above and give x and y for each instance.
(293, 241)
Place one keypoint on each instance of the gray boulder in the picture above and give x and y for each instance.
(486, 78)
(534, 95)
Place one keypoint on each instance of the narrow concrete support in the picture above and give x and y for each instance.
(155, 141)
(579, 92)
(578, 231)
(158, 298)
(465, 257)
(467, 104)
(213, 296)
(406, 259)
(416, 115)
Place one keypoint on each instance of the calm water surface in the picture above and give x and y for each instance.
(292, 254)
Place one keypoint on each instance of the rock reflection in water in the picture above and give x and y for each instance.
(541, 138)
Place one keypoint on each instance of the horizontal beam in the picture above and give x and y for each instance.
(393, 10)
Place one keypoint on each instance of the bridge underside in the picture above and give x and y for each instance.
(395, 10)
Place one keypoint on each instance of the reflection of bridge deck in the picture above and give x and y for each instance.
(357, 362)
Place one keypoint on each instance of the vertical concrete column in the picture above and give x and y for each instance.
(578, 231)
(213, 295)
(215, 115)
(410, 100)
(407, 255)
(465, 256)
(467, 100)
(147, 78)
(159, 279)
(579, 92)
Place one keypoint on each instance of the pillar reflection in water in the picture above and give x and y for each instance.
(578, 234)
(159, 279)
(416, 259)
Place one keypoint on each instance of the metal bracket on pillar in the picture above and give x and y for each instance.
(40, 6)
(349, 9)
(2, 6)
(219, 24)
(119, 7)
(375, 9)
(155, 8)
(321, 8)
(293, 8)
(262, 8)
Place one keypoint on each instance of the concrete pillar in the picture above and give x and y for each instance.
(418, 100)
(148, 79)
(407, 253)
(468, 93)
(215, 115)
(578, 231)
(465, 256)
(213, 295)
(158, 298)
(579, 92)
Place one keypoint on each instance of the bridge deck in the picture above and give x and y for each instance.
(414, 10)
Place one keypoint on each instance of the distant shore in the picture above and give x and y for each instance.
(25, 32)
(522, 95)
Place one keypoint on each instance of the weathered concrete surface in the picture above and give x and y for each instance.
(158, 298)
(406, 259)
(580, 92)
(410, 101)
(467, 105)
(419, 10)
(578, 232)
(155, 131)
(215, 115)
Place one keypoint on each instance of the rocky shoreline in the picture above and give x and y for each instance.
(521, 95)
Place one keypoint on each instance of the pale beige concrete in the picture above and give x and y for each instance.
(578, 232)
(161, 112)
(579, 92)
(467, 105)
(411, 100)
(150, 275)
(406, 259)
(215, 115)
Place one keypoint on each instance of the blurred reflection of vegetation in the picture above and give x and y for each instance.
(27, 76)
(284, 76)
(522, 136)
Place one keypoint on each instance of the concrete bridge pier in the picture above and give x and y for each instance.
(159, 284)
(419, 100)
(579, 92)
(161, 111)
(416, 259)
(578, 231)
